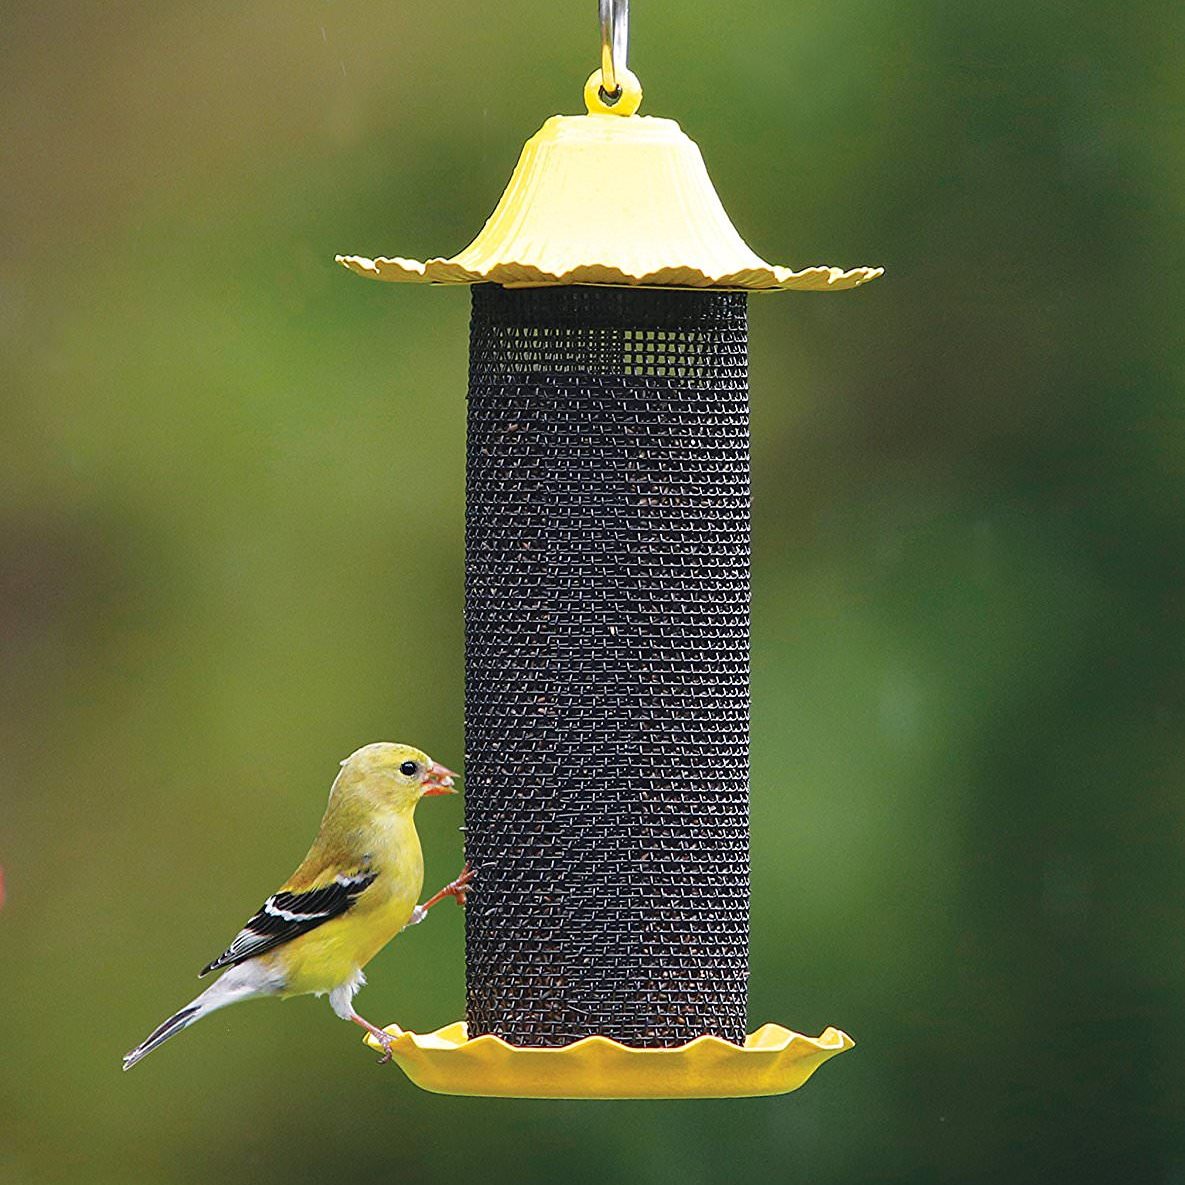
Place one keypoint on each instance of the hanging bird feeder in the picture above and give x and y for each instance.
(607, 622)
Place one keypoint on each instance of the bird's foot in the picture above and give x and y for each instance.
(381, 1036)
(385, 1041)
(459, 889)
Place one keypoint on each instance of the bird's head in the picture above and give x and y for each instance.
(395, 775)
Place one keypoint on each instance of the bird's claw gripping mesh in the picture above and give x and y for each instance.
(607, 665)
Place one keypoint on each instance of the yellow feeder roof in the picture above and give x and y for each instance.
(610, 197)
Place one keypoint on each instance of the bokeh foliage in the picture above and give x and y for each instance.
(231, 548)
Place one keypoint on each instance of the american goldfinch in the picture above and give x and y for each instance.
(356, 889)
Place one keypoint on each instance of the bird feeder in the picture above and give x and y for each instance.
(607, 622)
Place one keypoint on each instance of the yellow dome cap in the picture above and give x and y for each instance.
(610, 198)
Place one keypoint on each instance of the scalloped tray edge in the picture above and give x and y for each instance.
(773, 1060)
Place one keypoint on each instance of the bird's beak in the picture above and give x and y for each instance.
(439, 780)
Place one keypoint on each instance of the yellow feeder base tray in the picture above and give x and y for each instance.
(773, 1060)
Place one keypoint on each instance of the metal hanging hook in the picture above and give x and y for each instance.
(615, 44)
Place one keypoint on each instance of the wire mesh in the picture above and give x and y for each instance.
(607, 665)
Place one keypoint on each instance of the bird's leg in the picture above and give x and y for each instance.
(383, 1038)
(458, 889)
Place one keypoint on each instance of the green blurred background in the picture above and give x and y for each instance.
(231, 552)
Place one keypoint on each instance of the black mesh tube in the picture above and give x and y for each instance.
(607, 665)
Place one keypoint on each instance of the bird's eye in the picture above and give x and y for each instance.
(408, 768)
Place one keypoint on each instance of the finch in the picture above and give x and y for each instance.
(356, 889)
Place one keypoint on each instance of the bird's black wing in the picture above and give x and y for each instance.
(286, 915)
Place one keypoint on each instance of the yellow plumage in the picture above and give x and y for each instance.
(354, 891)
(324, 958)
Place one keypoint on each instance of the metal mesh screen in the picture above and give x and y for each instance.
(607, 665)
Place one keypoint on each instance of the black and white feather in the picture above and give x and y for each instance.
(285, 916)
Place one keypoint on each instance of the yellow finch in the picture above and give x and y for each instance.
(356, 889)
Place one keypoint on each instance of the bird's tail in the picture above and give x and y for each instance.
(239, 983)
(159, 1035)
